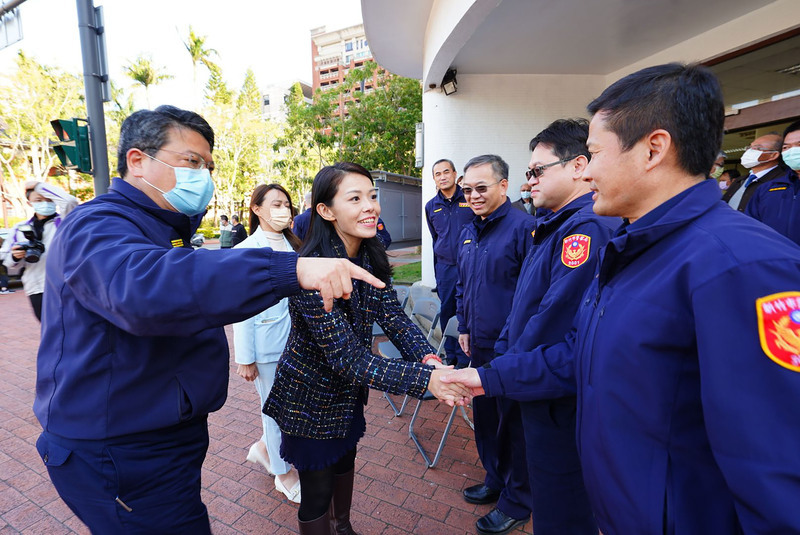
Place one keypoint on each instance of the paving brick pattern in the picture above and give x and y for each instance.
(394, 493)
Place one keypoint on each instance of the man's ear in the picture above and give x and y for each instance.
(579, 166)
(134, 159)
(658, 143)
(325, 212)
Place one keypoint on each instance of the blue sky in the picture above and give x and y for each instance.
(271, 36)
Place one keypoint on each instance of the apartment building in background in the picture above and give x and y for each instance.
(334, 54)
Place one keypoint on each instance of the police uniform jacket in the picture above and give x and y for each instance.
(132, 337)
(328, 366)
(752, 188)
(778, 206)
(685, 360)
(490, 257)
(446, 217)
(554, 277)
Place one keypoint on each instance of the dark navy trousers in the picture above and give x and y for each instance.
(559, 500)
(500, 440)
(446, 279)
(142, 483)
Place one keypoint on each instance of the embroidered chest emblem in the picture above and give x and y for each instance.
(177, 243)
(779, 328)
(575, 250)
(463, 205)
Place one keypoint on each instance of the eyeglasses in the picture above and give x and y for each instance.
(480, 190)
(194, 161)
(538, 170)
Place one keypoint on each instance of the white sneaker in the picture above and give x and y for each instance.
(255, 456)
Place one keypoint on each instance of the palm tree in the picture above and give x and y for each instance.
(143, 72)
(196, 46)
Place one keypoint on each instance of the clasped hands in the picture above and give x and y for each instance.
(454, 387)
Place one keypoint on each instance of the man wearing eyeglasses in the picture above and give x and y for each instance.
(133, 354)
(684, 352)
(491, 252)
(763, 159)
(446, 214)
(554, 277)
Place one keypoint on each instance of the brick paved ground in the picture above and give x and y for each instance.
(394, 493)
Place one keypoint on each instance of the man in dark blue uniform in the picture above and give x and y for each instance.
(490, 256)
(685, 350)
(446, 214)
(556, 273)
(778, 203)
(133, 355)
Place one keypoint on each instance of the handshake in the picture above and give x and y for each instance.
(454, 387)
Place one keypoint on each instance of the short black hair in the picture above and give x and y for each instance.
(223, 216)
(499, 166)
(791, 128)
(437, 162)
(684, 100)
(565, 137)
(147, 130)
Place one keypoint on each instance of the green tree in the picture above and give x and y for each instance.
(305, 144)
(250, 96)
(30, 98)
(196, 46)
(379, 130)
(144, 72)
(217, 92)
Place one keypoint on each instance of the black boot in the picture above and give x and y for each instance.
(318, 526)
(340, 504)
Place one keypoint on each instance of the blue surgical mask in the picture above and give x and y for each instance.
(792, 158)
(525, 194)
(192, 192)
(44, 208)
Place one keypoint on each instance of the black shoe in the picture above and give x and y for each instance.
(481, 494)
(497, 523)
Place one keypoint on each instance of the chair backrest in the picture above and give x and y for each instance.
(450, 330)
(428, 310)
(402, 295)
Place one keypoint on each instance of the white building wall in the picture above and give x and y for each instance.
(495, 114)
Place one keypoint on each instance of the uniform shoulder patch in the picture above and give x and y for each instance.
(463, 205)
(575, 250)
(779, 328)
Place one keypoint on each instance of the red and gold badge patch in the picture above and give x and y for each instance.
(575, 250)
(779, 328)
(380, 226)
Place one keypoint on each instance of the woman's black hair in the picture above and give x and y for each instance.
(258, 197)
(321, 235)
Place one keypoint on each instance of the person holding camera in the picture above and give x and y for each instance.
(30, 239)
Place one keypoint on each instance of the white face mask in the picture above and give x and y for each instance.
(280, 218)
(751, 156)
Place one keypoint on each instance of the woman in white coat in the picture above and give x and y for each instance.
(259, 341)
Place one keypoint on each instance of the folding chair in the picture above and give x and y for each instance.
(402, 296)
(450, 331)
(424, 309)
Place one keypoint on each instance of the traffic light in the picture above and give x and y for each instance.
(73, 146)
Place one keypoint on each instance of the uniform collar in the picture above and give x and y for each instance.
(458, 196)
(183, 224)
(553, 220)
(664, 220)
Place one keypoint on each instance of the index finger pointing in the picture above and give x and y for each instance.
(364, 275)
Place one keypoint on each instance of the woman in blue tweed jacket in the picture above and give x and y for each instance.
(324, 374)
